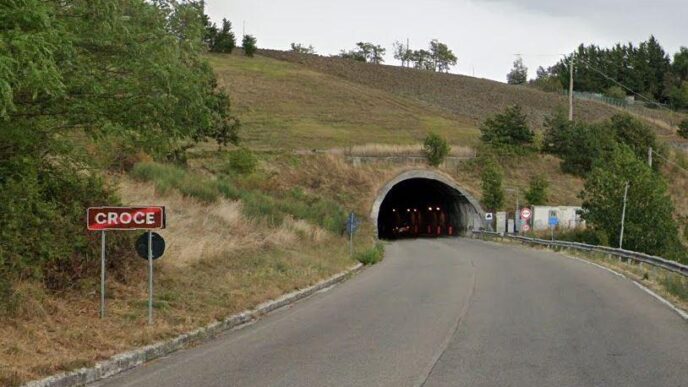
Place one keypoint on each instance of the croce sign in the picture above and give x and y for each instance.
(125, 218)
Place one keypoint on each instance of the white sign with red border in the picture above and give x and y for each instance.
(526, 213)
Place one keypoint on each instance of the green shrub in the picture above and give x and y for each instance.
(615, 92)
(676, 285)
(588, 235)
(508, 129)
(435, 149)
(683, 128)
(371, 256)
(491, 184)
(537, 191)
(250, 45)
(242, 161)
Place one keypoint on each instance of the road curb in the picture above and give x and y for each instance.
(132, 359)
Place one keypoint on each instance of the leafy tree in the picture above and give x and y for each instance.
(250, 45)
(223, 40)
(301, 49)
(639, 137)
(518, 74)
(365, 52)
(75, 70)
(491, 183)
(683, 128)
(422, 59)
(435, 149)
(537, 191)
(402, 53)
(649, 225)
(545, 81)
(442, 57)
(509, 128)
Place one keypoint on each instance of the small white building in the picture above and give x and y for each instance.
(568, 217)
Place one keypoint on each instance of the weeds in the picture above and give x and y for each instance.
(675, 285)
(371, 256)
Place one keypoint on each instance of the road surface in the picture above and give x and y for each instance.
(449, 312)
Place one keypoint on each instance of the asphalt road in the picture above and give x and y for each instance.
(450, 312)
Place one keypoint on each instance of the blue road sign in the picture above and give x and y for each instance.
(352, 224)
(553, 221)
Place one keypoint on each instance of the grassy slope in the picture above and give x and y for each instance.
(288, 106)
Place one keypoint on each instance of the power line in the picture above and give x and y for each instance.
(670, 162)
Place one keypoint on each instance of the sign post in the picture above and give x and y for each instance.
(351, 227)
(125, 218)
(526, 213)
(102, 274)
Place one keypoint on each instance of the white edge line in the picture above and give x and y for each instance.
(647, 290)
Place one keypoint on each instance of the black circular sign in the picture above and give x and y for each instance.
(158, 245)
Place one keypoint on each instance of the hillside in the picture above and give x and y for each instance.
(469, 97)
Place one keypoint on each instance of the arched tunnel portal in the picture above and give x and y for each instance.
(423, 203)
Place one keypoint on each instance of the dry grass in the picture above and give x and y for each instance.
(288, 106)
(398, 150)
(217, 263)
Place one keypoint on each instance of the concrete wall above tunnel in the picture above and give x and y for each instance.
(424, 203)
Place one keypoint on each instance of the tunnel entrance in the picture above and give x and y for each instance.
(424, 204)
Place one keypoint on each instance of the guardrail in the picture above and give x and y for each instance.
(660, 262)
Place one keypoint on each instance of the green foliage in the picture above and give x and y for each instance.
(372, 255)
(438, 56)
(301, 49)
(435, 149)
(581, 144)
(546, 81)
(365, 52)
(537, 191)
(683, 128)
(242, 161)
(128, 72)
(676, 285)
(589, 235)
(615, 92)
(168, 177)
(442, 57)
(402, 53)
(649, 225)
(250, 45)
(518, 74)
(220, 40)
(491, 183)
(508, 129)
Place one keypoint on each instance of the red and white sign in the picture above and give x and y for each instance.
(526, 213)
(125, 218)
(525, 227)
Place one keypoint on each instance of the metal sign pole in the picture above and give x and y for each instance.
(102, 274)
(150, 277)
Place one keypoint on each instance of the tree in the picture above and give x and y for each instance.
(89, 81)
(402, 53)
(649, 225)
(537, 191)
(435, 149)
(518, 74)
(250, 45)
(223, 40)
(615, 92)
(301, 49)
(509, 128)
(491, 184)
(365, 52)
(545, 81)
(422, 60)
(683, 128)
(442, 57)
(634, 133)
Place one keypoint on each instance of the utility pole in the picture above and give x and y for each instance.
(517, 215)
(571, 89)
(408, 49)
(623, 216)
(649, 157)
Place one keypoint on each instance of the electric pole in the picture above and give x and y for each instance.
(649, 157)
(571, 89)
(623, 216)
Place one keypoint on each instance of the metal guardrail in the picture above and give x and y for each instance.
(652, 260)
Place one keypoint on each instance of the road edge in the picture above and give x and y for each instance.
(682, 313)
(132, 359)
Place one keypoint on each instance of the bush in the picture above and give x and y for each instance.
(537, 191)
(588, 235)
(435, 149)
(683, 128)
(371, 256)
(615, 92)
(242, 161)
(507, 129)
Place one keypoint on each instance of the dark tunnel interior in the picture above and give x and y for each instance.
(421, 207)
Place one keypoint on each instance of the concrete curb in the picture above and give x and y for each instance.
(128, 360)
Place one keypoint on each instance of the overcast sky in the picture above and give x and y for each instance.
(484, 34)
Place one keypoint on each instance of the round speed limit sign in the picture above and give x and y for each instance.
(526, 213)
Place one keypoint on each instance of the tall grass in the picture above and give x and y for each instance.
(256, 204)
(372, 255)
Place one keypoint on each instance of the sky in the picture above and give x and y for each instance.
(485, 35)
